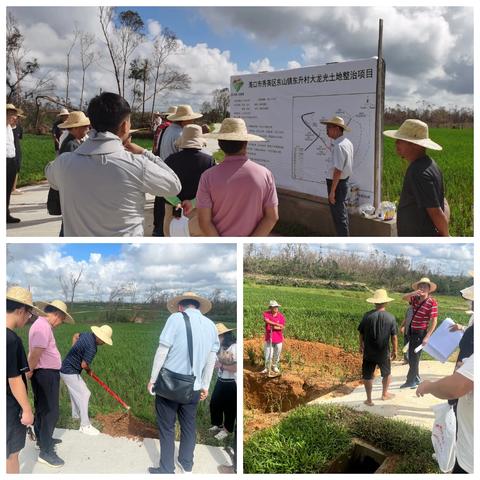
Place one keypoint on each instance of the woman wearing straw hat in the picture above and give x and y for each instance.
(377, 328)
(422, 209)
(274, 325)
(223, 404)
(80, 357)
(189, 164)
(422, 325)
(19, 412)
(237, 198)
(337, 180)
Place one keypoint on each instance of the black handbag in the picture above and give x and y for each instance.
(53, 202)
(173, 386)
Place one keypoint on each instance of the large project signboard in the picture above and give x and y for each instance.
(286, 107)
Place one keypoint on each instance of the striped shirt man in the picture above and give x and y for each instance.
(85, 349)
(424, 312)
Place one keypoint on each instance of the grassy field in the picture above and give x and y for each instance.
(310, 438)
(328, 315)
(455, 161)
(125, 367)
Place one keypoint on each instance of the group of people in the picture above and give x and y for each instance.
(214, 347)
(100, 177)
(379, 346)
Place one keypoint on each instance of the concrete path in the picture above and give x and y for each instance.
(31, 208)
(406, 405)
(117, 455)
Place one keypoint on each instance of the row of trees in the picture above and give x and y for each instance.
(376, 270)
(139, 79)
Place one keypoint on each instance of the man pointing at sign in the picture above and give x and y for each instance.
(337, 181)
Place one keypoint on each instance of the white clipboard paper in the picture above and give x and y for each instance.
(443, 342)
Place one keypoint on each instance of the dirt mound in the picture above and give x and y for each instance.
(120, 424)
(309, 370)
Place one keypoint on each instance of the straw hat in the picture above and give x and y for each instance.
(467, 293)
(104, 333)
(20, 113)
(75, 119)
(234, 129)
(433, 286)
(59, 305)
(191, 137)
(205, 304)
(170, 111)
(23, 296)
(380, 296)
(274, 303)
(338, 121)
(11, 106)
(63, 112)
(413, 131)
(221, 328)
(183, 112)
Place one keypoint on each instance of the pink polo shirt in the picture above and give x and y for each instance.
(277, 335)
(237, 191)
(41, 336)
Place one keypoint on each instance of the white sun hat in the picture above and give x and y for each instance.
(413, 131)
(234, 129)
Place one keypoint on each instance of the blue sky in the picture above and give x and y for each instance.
(82, 251)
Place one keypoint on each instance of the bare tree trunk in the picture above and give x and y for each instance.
(105, 17)
(74, 282)
(69, 52)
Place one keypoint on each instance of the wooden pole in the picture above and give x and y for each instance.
(379, 114)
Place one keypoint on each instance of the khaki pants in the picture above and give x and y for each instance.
(193, 225)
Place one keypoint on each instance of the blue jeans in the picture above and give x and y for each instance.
(167, 412)
(339, 209)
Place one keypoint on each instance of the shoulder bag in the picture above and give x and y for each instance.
(173, 386)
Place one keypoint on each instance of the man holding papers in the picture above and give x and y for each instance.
(424, 321)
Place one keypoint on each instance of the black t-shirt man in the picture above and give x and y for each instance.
(377, 327)
(422, 189)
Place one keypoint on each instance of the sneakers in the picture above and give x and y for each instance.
(265, 370)
(408, 385)
(221, 435)
(182, 470)
(55, 441)
(215, 429)
(276, 370)
(89, 430)
(51, 459)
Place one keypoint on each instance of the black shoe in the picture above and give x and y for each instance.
(154, 470)
(51, 459)
(408, 385)
(11, 219)
(158, 233)
(55, 441)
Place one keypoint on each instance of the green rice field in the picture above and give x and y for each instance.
(455, 161)
(125, 367)
(329, 315)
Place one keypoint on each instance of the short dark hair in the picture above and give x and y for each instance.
(228, 339)
(107, 111)
(12, 305)
(51, 309)
(231, 147)
(187, 302)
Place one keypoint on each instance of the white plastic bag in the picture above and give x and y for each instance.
(179, 227)
(444, 434)
(386, 211)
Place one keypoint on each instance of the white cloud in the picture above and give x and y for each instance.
(293, 64)
(262, 65)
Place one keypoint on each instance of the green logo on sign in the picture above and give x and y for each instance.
(237, 84)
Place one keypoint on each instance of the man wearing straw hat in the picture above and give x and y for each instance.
(340, 171)
(103, 183)
(189, 164)
(19, 412)
(274, 326)
(422, 325)
(237, 198)
(377, 329)
(80, 357)
(56, 130)
(180, 116)
(45, 362)
(422, 207)
(77, 124)
(173, 354)
(12, 164)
